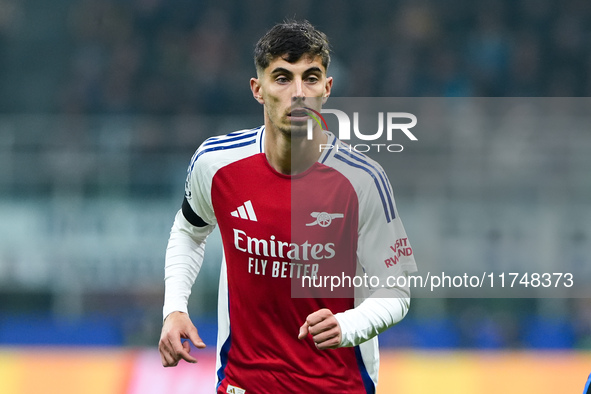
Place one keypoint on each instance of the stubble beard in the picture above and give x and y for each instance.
(298, 131)
(293, 130)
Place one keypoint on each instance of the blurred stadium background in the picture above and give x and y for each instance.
(103, 102)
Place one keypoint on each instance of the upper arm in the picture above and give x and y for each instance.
(383, 249)
(197, 207)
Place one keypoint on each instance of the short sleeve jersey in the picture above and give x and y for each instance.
(336, 218)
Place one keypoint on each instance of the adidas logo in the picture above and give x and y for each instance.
(245, 211)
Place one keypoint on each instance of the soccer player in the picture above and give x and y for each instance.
(287, 210)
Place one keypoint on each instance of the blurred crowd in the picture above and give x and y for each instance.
(186, 56)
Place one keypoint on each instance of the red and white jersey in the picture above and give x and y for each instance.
(338, 217)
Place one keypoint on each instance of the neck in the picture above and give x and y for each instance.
(292, 155)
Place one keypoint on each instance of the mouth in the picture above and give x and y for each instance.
(298, 115)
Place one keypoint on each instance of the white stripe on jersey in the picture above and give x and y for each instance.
(250, 210)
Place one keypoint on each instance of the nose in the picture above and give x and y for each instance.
(298, 91)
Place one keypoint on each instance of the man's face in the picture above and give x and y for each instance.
(286, 89)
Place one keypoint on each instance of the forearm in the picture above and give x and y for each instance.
(382, 310)
(184, 257)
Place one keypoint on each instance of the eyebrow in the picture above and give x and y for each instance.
(281, 70)
(313, 70)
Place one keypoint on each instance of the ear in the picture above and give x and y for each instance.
(327, 89)
(257, 90)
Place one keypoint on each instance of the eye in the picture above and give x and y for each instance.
(281, 80)
(312, 79)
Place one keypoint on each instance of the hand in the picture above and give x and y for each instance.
(178, 325)
(324, 328)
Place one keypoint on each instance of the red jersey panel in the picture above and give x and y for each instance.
(264, 220)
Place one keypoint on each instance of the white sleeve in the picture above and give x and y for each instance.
(186, 245)
(184, 257)
(383, 247)
(382, 310)
(383, 251)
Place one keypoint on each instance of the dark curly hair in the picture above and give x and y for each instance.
(291, 40)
